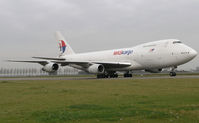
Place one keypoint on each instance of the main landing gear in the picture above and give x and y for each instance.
(173, 73)
(113, 75)
(108, 75)
(128, 75)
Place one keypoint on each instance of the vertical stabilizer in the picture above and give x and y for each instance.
(64, 47)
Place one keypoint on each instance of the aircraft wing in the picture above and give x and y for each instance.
(84, 64)
(64, 62)
(39, 62)
(88, 63)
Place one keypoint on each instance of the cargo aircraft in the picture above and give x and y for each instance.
(151, 57)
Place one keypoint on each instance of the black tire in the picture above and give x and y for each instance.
(112, 76)
(128, 75)
(116, 75)
(172, 74)
(99, 76)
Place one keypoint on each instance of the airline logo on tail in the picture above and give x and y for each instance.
(62, 46)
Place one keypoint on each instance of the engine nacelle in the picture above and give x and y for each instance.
(154, 70)
(50, 67)
(96, 69)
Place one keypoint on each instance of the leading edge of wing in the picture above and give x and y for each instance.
(39, 62)
(47, 58)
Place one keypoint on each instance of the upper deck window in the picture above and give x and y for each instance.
(177, 42)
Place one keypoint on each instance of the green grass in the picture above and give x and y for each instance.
(153, 101)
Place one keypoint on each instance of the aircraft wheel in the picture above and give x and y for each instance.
(172, 74)
(128, 75)
(106, 76)
(116, 75)
(112, 74)
(99, 76)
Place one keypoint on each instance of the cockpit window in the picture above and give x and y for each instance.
(177, 42)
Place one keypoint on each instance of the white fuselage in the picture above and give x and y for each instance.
(153, 55)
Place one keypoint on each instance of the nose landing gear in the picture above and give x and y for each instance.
(173, 73)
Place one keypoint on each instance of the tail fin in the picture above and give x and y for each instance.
(64, 47)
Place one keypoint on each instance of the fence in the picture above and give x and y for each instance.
(14, 72)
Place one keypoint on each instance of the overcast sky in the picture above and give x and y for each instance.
(28, 26)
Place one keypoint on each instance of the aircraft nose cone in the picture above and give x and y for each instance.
(193, 53)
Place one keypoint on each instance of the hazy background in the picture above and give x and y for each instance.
(28, 26)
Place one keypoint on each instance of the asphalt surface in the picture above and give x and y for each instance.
(90, 78)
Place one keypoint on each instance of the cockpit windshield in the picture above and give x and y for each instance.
(177, 42)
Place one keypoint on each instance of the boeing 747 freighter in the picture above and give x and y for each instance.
(151, 57)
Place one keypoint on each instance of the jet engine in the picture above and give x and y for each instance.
(96, 69)
(154, 70)
(50, 67)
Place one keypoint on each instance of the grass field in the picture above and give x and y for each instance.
(153, 101)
